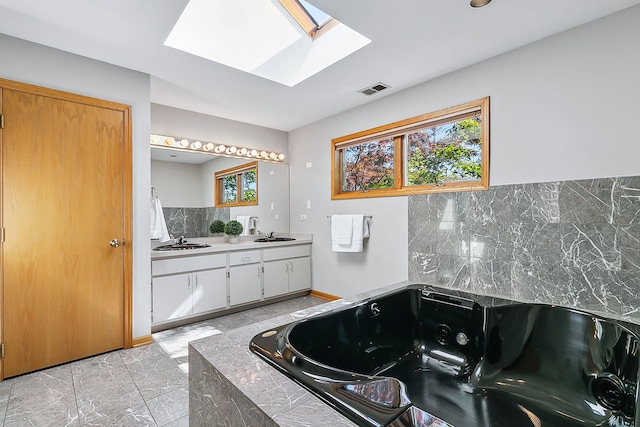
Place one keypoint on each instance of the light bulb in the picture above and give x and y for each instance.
(281, 156)
(254, 152)
(233, 149)
(208, 147)
(184, 143)
(155, 139)
(169, 141)
(273, 155)
(222, 147)
(243, 151)
(196, 145)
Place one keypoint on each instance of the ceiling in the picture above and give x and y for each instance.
(412, 41)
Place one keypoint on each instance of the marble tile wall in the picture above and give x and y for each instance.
(193, 222)
(571, 243)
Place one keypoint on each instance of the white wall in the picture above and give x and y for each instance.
(179, 184)
(188, 124)
(562, 108)
(39, 65)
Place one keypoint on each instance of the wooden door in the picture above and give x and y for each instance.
(64, 173)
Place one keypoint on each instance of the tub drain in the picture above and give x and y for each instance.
(609, 391)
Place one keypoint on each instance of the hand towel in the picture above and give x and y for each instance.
(341, 229)
(158, 224)
(358, 227)
(246, 226)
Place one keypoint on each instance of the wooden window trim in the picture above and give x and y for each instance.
(397, 130)
(237, 171)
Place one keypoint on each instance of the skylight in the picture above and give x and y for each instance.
(318, 16)
(262, 38)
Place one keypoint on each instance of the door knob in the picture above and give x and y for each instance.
(114, 243)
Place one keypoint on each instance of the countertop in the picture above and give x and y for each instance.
(221, 244)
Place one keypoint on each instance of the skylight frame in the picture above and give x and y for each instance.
(304, 18)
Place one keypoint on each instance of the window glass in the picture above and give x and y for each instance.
(446, 150)
(446, 153)
(368, 166)
(237, 186)
(229, 189)
(249, 186)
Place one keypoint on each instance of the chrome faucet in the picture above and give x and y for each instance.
(375, 310)
(270, 235)
(181, 240)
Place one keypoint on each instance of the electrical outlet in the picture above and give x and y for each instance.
(309, 164)
(308, 204)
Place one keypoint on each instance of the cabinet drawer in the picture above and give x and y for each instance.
(285, 252)
(246, 257)
(187, 263)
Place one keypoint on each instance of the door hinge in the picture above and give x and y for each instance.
(228, 275)
(2, 235)
(2, 351)
(1, 121)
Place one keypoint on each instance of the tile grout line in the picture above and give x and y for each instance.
(126, 365)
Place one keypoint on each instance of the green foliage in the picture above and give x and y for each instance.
(233, 228)
(216, 226)
(249, 186)
(456, 156)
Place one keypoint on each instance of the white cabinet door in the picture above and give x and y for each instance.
(171, 297)
(299, 274)
(209, 290)
(276, 278)
(244, 284)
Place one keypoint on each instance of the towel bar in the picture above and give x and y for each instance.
(366, 216)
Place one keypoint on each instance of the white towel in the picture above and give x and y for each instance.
(158, 224)
(246, 224)
(348, 233)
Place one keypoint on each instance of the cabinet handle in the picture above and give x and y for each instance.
(291, 266)
(189, 281)
(286, 267)
(196, 280)
(258, 271)
(246, 258)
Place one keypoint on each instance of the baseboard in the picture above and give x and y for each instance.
(322, 295)
(140, 341)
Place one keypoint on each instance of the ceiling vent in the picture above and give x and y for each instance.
(378, 87)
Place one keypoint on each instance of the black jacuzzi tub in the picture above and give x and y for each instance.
(424, 356)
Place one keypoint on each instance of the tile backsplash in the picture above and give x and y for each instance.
(192, 222)
(571, 243)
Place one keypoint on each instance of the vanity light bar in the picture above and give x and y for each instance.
(183, 144)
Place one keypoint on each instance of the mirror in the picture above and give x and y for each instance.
(185, 186)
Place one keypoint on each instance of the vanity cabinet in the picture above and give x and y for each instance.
(245, 277)
(188, 286)
(286, 269)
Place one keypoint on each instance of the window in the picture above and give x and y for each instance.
(446, 150)
(314, 21)
(237, 186)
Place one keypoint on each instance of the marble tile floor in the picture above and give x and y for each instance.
(144, 386)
